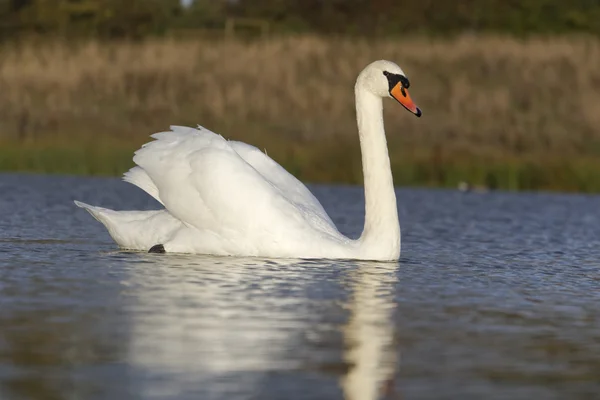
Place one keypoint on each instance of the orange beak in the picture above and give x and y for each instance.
(399, 93)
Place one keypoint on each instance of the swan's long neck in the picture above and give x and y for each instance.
(381, 235)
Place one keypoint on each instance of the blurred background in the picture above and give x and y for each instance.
(510, 90)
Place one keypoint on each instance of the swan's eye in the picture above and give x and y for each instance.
(386, 73)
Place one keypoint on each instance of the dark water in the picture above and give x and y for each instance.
(497, 296)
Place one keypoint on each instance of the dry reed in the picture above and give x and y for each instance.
(485, 99)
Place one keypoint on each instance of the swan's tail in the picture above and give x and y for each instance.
(136, 230)
(101, 214)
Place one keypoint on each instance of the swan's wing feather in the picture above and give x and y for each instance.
(204, 182)
(138, 177)
(287, 183)
(159, 151)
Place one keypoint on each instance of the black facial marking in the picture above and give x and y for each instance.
(393, 80)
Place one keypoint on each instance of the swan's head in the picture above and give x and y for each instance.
(386, 79)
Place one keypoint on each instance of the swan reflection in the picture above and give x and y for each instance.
(230, 326)
(369, 333)
(198, 320)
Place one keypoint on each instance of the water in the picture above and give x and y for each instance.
(496, 296)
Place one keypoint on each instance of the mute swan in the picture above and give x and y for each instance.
(228, 198)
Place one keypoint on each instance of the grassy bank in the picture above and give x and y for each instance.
(497, 111)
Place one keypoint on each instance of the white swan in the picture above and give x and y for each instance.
(228, 198)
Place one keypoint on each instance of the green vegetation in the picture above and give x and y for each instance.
(341, 164)
(389, 17)
(139, 18)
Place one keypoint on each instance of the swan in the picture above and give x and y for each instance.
(228, 198)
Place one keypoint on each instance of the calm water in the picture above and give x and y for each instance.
(497, 296)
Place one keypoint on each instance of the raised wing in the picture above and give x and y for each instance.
(228, 188)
